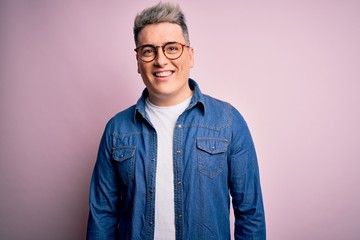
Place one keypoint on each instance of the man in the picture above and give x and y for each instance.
(166, 166)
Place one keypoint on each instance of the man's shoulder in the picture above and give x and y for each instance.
(122, 118)
(126, 114)
(216, 104)
(221, 108)
(214, 100)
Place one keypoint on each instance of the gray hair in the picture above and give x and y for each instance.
(161, 12)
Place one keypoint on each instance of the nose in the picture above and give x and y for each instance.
(160, 59)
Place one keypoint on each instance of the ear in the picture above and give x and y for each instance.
(191, 56)
(138, 66)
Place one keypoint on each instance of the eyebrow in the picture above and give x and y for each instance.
(152, 45)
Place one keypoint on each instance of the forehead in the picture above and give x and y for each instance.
(160, 33)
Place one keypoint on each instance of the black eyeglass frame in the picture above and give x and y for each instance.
(163, 49)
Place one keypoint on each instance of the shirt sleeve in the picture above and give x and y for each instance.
(104, 196)
(244, 183)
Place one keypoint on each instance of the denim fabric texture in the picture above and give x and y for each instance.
(214, 158)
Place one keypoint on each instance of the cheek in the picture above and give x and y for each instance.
(187, 63)
(144, 71)
(185, 67)
(141, 68)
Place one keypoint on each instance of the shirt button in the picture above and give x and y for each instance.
(178, 151)
(179, 126)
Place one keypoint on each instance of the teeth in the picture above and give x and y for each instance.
(163, 74)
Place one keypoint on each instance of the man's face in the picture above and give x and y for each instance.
(166, 80)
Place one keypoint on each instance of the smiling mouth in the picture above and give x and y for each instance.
(163, 74)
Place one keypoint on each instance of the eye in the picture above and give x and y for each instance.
(172, 48)
(147, 51)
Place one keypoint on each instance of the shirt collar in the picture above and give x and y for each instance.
(197, 100)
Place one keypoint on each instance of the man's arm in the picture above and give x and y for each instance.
(245, 185)
(104, 196)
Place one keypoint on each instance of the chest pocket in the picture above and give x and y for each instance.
(211, 155)
(124, 157)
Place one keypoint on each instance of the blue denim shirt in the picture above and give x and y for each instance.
(214, 157)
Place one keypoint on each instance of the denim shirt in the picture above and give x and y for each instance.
(214, 158)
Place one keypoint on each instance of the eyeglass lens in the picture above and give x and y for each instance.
(171, 50)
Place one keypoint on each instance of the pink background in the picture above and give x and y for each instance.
(291, 67)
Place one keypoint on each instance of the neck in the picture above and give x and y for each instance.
(169, 100)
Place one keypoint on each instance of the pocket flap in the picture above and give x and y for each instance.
(120, 154)
(212, 146)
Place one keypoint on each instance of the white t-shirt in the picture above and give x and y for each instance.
(164, 120)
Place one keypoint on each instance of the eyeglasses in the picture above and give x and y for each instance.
(171, 50)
